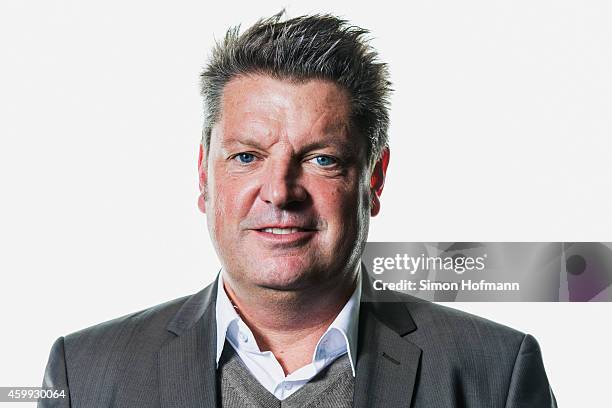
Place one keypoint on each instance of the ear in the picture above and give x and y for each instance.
(202, 180)
(377, 181)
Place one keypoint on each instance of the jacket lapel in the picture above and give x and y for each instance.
(187, 363)
(387, 363)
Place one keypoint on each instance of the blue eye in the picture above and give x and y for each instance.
(245, 158)
(325, 161)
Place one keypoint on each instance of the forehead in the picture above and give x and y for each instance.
(265, 105)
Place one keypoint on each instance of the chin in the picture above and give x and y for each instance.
(287, 275)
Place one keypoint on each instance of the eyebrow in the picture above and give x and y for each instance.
(247, 141)
(349, 147)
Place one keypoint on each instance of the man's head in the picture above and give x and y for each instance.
(294, 150)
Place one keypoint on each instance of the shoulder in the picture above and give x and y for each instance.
(474, 356)
(122, 353)
(439, 319)
(460, 335)
(125, 332)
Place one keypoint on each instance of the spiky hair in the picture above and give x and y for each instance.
(319, 46)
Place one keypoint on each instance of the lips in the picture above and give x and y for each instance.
(283, 228)
(282, 231)
(284, 236)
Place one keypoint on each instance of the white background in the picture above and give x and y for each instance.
(500, 132)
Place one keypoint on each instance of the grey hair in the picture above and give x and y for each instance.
(319, 46)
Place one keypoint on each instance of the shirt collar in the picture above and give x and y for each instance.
(345, 325)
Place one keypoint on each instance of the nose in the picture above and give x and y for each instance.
(281, 185)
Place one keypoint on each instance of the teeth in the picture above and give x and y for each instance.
(281, 231)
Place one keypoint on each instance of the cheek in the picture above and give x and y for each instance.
(232, 197)
(340, 204)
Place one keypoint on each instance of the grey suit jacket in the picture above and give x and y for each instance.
(411, 353)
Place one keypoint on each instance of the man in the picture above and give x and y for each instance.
(292, 165)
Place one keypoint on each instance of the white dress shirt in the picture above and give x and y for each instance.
(339, 338)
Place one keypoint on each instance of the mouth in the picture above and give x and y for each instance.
(283, 231)
(285, 236)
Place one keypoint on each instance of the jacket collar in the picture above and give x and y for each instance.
(186, 363)
(387, 363)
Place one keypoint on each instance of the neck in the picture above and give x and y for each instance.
(289, 324)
